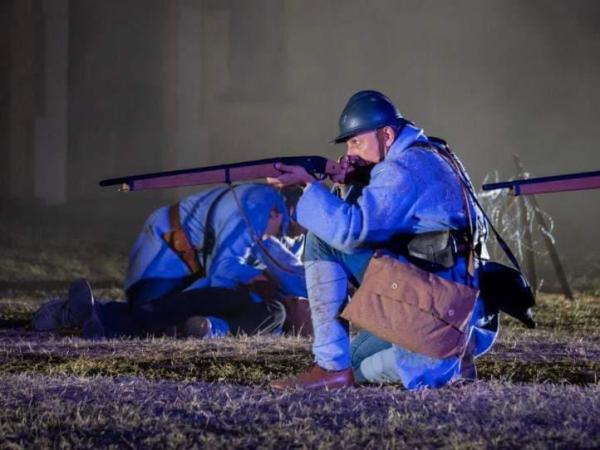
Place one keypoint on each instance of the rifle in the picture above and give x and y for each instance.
(317, 166)
(542, 185)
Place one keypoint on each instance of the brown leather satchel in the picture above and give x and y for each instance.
(412, 308)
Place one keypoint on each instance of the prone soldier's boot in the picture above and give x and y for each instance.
(54, 315)
(82, 306)
(59, 314)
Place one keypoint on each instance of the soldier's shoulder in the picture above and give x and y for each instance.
(416, 155)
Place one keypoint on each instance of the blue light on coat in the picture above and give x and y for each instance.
(412, 191)
(227, 266)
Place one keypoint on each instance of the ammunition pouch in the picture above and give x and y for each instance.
(436, 248)
(433, 251)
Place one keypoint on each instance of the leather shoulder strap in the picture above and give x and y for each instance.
(441, 147)
(210, 239)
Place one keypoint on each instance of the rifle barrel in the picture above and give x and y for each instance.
(557, 183)
(223, 173)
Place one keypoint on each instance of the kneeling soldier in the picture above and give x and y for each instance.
(415, 208)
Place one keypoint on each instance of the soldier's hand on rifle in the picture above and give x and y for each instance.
(346, 168)
(290, 175)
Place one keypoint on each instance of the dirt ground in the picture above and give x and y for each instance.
(537, 388)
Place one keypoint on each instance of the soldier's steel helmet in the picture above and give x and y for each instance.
(367, 111)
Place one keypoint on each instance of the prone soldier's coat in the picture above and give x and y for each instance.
(235, 243)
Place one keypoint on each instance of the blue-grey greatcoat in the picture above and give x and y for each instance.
(412, 191)
(236, 257)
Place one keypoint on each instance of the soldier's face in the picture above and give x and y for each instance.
(365, 146)
(371, 146)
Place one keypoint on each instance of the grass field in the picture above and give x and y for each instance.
(537, 388)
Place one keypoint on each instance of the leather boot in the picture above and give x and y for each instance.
(80, 301)
(58, 314)
(316, 378)
(54, 315)
(82, 306)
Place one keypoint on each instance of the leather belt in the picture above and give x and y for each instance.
(179, 242)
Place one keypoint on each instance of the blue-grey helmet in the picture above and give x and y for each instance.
(367, 111)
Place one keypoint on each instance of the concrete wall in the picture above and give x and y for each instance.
(492, 77)
(165, 84)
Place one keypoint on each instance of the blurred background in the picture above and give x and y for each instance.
(91, 89)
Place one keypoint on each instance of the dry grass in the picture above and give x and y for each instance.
(127, 412)
(538, 388)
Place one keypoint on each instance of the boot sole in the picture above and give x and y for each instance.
(81, 300)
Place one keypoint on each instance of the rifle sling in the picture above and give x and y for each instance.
(210, 238)
(469, 189)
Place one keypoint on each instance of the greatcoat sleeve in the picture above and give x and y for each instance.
(384, 208)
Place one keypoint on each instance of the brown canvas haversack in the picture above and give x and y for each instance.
(412, 308)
